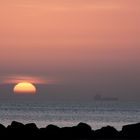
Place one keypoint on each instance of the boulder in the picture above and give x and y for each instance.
(106, 132)
(2, 127)
(131, 131)
(31, 126)
(15, 125)
(82, 130)
(51, 132)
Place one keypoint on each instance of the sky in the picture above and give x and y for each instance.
(71, 49)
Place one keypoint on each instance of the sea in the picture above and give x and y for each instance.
(97, 113)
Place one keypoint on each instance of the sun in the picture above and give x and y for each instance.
(24, 88)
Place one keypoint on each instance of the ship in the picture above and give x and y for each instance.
(99, 97)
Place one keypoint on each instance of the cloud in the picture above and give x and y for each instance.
(63, 5)
(13, 79)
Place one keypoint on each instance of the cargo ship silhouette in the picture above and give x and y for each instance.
(99, 97)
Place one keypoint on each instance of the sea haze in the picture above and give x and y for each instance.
(96, 113)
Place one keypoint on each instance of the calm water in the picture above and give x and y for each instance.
(96, 114)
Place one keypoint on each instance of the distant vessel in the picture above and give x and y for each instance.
(99, 97)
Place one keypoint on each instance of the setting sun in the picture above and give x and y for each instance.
(24, 88)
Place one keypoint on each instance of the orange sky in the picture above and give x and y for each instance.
(61, 38)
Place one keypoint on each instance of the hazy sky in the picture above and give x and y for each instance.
(80, 47)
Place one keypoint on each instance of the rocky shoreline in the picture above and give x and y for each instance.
(82, 131)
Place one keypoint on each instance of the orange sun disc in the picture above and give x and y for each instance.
(24, 88)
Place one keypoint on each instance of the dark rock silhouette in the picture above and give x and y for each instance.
(131, 131)
(82, 131)
(106, 132)
(18, 129)
(51, 131)
(15, 125)
(14, 130)
(2, 129)
(31, 129)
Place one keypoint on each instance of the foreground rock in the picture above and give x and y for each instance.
(82, 131)
(106, 132)
(131, 131)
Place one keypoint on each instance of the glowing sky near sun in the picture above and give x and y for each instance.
(97, 41)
